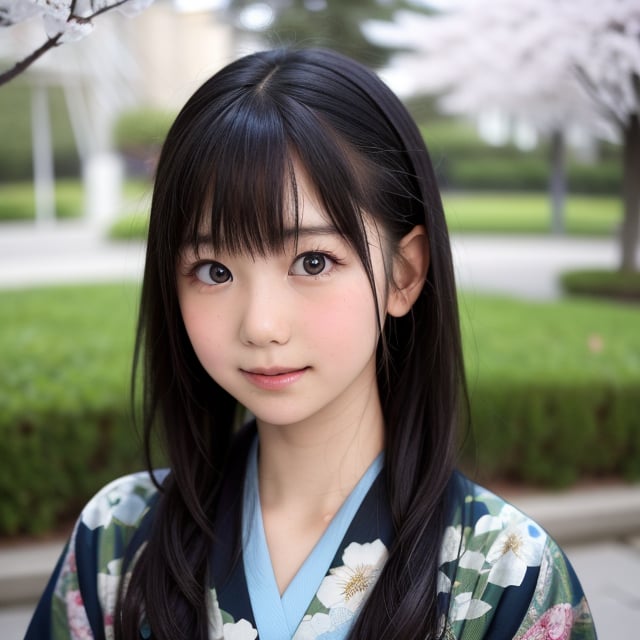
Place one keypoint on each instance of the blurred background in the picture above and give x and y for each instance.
(530, 110)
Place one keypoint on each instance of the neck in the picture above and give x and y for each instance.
(312, 467)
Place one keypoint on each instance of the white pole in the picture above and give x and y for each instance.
(43, 176)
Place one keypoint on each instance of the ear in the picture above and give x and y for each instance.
(410, 266)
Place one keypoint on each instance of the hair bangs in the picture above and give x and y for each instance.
(249, 194)
(337, 173)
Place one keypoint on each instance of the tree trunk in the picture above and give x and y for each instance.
(557, 182)
(631, 195)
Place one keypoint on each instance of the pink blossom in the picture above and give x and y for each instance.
(555, 624)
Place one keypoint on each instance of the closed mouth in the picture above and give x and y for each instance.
(273, 371)
(274, 378)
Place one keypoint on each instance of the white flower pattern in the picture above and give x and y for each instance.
(479, 561)
(346, 586)
(119, 501)
(241, 630)
(518, 545)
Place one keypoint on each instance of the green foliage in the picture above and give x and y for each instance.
(620, 285)
(64, 413)
(132, 226)
(139, 135)
(334, 24)
(554, 391)
(462, 160)
(144, 128)
(15, 133)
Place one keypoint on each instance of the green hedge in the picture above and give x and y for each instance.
(139, 135)
(462, 160)
(131, 226)
(17, 200)
(15, 133)
(526, 173)
(554, 391)
(618, 285)
(65, 423)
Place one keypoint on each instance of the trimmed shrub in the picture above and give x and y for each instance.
(618, 285)
(17, 200)
(553, 434)
(139, 135)
(463, 160)
(15, 132)
(131, 226)
(65, 422)
(554, 391)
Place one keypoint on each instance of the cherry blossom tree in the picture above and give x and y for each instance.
(63, 21)
(553, 63)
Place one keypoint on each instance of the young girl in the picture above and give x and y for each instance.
(299, 269)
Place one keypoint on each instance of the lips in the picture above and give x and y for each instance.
(273, 378)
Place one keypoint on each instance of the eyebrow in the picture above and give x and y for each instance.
(204, 240)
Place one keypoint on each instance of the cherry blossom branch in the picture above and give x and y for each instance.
(55, 40)
(25, 63)
(592, 90)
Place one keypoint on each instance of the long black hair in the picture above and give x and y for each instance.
(227, 166)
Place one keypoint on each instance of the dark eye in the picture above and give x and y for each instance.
(311, 264)
(213, 273)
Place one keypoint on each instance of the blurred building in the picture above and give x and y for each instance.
(155, 59)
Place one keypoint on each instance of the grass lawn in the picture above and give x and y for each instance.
(497, 212)
(568, 341)
(476, 212)
(17, 199)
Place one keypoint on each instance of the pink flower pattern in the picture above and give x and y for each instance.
(554, 624)
(79, 627)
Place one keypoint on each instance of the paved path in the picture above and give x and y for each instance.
(602, 533)
(523, 266)
(68, 251)
(526, 266)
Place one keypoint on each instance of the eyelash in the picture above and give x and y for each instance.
(325, 255)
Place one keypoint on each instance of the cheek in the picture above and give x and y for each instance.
(345, 322)
(206, 332)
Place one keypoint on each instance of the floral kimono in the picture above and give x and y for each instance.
(500, 573)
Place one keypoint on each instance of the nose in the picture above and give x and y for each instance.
(264, 319)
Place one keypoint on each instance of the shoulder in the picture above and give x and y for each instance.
(123, 502)
(488, 534)
(494, 525)
(80, 600)
(502, 572)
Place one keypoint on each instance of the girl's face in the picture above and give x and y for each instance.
(292, 335)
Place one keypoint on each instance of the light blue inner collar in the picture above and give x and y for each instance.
(274, 614)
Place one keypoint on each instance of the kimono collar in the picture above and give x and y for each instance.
(272, 612)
